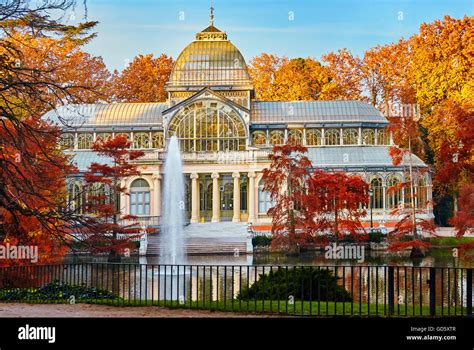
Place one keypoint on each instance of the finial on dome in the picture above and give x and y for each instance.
(211, 21)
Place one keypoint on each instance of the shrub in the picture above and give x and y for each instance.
(282, 283)
(55, 291)
(261, 241)
(376, 236)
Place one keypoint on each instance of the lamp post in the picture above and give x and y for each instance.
(371, 194)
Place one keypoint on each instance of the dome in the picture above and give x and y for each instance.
(210, 60)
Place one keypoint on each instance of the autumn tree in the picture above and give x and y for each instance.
(344, 69)
(32, 189)
(62, 60)
(442, 63)
(105, 185)
(282, 79)
(442, 73)
(33, 206)
(335, 203)
(410, 226)
(463, 219)
(285, 181)
(454, 148)
(410, 223)
(144, 79)
(263, 70)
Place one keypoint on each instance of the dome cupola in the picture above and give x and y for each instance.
(211, 60)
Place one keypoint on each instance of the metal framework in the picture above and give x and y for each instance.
(208, 126)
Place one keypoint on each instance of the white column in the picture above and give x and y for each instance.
(216, 203)
(429, 198)
(194, 198)
(124, 208)
(157, 197)
(251, 202)
(236, 204)
(384, 197)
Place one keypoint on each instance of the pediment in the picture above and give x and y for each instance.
(203, 94)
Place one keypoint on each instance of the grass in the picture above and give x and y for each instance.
(450, 241)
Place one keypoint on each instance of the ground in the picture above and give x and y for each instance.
(89, 310)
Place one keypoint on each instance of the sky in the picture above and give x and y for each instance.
(294, 28)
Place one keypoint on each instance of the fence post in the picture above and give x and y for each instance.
(432, 282)
(469, 292)
(391, 290)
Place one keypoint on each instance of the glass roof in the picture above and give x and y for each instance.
(131, 114)
(315, 111)
(370, 156)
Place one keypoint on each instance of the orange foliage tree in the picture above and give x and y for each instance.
(283, 79)
(32, 197)
(33, 203)
(143, 80)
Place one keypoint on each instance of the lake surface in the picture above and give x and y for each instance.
(436, 258)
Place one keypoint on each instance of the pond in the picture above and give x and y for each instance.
(435, 258)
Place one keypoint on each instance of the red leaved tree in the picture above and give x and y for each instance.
(409, 226)
(285, 181)
(336, 204)
(463, 220)
(32, 190)
(454, 165)
(104, 184)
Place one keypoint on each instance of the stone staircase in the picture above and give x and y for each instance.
(210, 238)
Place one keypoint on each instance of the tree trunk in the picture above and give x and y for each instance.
(114, 256)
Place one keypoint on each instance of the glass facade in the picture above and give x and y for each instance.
(208, 126)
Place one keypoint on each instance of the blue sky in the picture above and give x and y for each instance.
(295, 28)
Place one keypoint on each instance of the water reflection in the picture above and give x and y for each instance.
(207, 284)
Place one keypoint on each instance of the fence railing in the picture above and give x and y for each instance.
(297, 290)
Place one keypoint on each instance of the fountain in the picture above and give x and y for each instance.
(172, 240)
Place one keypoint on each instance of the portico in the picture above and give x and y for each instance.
(230, 198)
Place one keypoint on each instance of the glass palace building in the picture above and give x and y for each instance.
(225, 136)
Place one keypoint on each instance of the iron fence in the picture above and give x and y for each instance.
(296, 290)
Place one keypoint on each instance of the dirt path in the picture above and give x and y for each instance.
(90, 310)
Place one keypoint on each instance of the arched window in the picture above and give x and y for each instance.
(383, 137)
(332, 137)
(277, 137)
(96, 196)
(76, 198)
(368, 137)
(67, 141)
(84, 141)
(394, 192)
(421, 193)
(140, 198)
(295, 137)
(102, 136)
(350, 136)
(313, 137)
(207, 126)
(157, 140)
(377, 193)
(141, 140)
(259, 138)
(264, 200)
